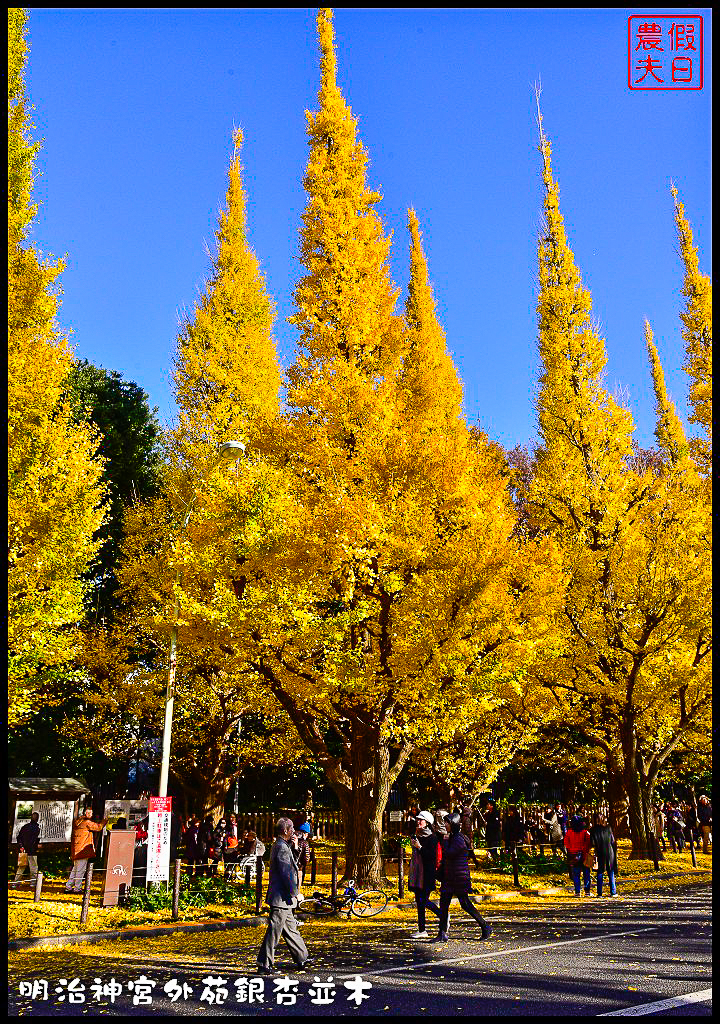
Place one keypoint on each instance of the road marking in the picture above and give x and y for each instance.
(662, 1005)
(504, 952)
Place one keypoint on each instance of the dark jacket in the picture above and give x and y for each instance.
(282, 877)
(217, 841)
(423, 863)
(605, 846)
(514, 829)
(29, 837)
(204, 840)
(492, 828)
(455, 870)
(675, 822)
(192, 849)
(704, 813)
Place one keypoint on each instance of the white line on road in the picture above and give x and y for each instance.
(503, 952)
(661, 1006)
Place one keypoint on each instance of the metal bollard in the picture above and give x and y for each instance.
(516, 880)
(38, 887)
(247, 875)
(333, 882)
(401, 872)
(176, 890)
(691, 844)
(258, 884)
(86, 893)
(313, 867)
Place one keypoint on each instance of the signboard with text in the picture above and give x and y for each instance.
(56, 818)
(158, 841)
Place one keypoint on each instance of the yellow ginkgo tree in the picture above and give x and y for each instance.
(633, 676)
(55, 494)
(181, 567)
(391, 597)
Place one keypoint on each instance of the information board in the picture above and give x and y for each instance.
(158, 841)
(55, 821)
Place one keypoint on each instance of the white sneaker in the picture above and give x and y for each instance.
(419, 935)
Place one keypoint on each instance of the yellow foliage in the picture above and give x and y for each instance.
(669, 431)
(697, 335)
(634, 673)
(55, 497)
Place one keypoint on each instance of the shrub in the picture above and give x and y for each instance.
(196, 891)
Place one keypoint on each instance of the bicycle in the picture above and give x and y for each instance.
(361, 904)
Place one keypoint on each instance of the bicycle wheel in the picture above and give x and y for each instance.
(370, 903)
(319, 906)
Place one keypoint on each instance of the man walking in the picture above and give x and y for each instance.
(28, 841)
(282, 897)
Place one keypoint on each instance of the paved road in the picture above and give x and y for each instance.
(598, 957)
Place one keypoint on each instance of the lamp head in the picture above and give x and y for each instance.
(231, 451)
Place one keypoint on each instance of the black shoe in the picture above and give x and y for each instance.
(440, 938)
(306, 964)
(486, 932)
(264, 970)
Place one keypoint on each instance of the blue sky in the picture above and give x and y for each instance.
(136, 109)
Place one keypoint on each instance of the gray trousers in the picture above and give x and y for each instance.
(281, 924)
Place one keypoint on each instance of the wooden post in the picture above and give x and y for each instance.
(313, 867)
(176, 890)
(86, 893)
(401, 871)
(38, 887)
(333, 877)
(691, 844)
(247, 875)
(516, 880)
(258, 883)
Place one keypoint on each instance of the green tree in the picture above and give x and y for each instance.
(129, 435)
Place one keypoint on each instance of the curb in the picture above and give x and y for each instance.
(48, 941)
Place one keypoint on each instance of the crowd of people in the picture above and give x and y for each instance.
(578, 833)
(537, 826)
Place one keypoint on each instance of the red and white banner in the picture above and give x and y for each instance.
(158, 841)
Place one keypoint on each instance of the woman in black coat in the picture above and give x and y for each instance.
(605, 846)
(455, 879)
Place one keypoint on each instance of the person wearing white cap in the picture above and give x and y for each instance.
(422, 876)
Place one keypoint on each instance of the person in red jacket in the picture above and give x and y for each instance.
(577, 844)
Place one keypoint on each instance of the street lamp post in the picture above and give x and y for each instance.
(230, 451)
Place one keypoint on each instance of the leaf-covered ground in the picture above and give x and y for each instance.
(59, 913)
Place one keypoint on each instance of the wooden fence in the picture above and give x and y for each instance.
(328, 823)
